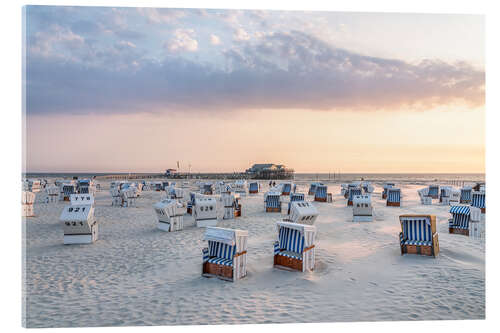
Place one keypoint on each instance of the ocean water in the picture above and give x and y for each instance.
(397, 177)
(458, 179)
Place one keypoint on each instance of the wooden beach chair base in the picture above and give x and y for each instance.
(320, 199)
(253, 192)
(273, 210)
(464, 201)
(459, 231)
(285, 193)
(394, 204)
(283, 262)
(426, 250)
(215, 270)
(237, 212)
(384, 196)
(483, 210)
(349, 203)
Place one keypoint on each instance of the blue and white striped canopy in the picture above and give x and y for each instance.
(460, 210)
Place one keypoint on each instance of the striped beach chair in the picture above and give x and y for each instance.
(232, 205)
(52, 194)
(312, 188)
(253, 188)
(67, 191)
(295, 197)
(444, 194)
(479, 200)
(208, 189)
(466, 195)
(434, 191)
(461, 217)
(190, 203)
(158, 186)
(351, 193)
(272, 202)
(367, 187)
(286, 188)
(393, 197)
(295, 247)
(226, 254)
(27, 200)
(387, 186)
(418, 235)
(425, 199)
(321, 193)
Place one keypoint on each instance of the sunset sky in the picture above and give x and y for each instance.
(138, 89)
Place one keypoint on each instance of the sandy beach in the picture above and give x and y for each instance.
(136, 274)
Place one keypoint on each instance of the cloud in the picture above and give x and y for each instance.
(241, 35)
(277, 71)
(161, 15)
(182, 40)
(214, 39)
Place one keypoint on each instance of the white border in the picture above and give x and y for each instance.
(11, 162)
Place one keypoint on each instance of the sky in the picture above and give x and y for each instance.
(138, 89)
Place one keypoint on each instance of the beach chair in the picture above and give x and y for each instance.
(461, 218)
(84, 186)
(129, 196)
(158, 186)
(253, 188)
(302, 212)
(205, 212)
(385, 187)
(116, 198)
(418, 235)
(52, 194)
(425, 199)
(170, 214)
(454, 198)
(27, 200)
(208, 189)
(286, 188)
(393, 197)
(232, 206)
(479, 200)
(272, 202)
(367, 187)
(434, 191)
(240, 186)
(445, 194)
(343, 190)
(320, 194)
(351, 193)
(226, 254)
(362, 210)
(295, 197)
(34, 185)
(312, 188)
(67, 190)
(466, 195)
(295, 247)
(79, 224)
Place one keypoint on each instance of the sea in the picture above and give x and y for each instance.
(442, 178)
